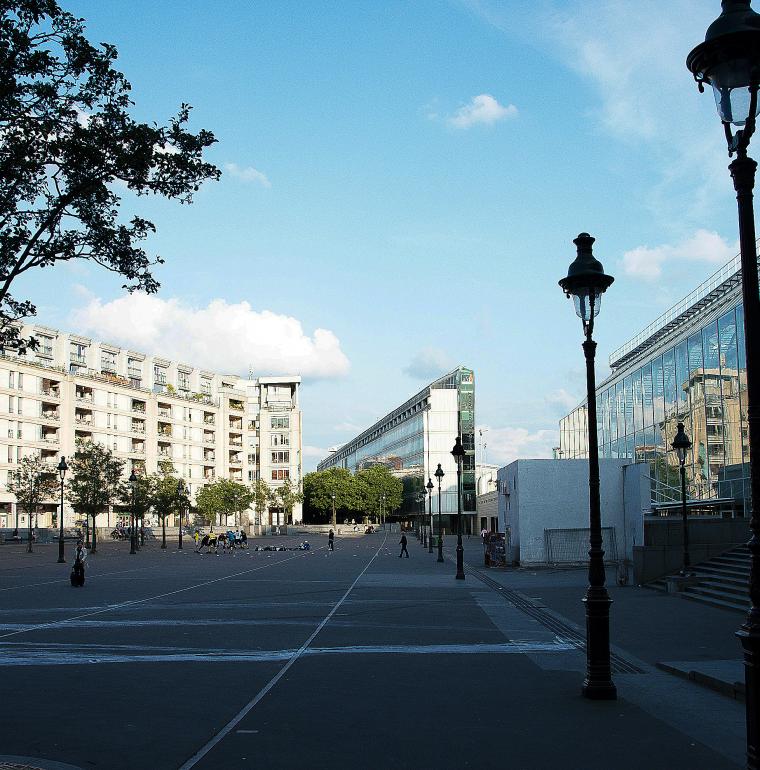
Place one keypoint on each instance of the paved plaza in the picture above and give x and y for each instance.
(350, 659)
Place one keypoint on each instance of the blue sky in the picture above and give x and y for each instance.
(402, 185)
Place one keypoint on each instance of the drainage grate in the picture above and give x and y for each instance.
(567, 633)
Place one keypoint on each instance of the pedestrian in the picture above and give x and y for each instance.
(77, 572)
(201, 544)
(196, 537)
(402, 543)
(331, 541)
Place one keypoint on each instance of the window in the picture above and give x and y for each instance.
(281, 457)
(11, 379)
(108, 361)
(10, 454)
(205, 385)
(278, 423)
(20, 405)
(11, 404)
(280, 475)
(159, 375)
(183, 381)
(280, 439)
(20, 381)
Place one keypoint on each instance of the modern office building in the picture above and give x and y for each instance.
(687, 366)
(413, 438)
(148, 410)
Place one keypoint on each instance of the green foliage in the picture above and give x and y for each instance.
(67, 146)
(288, 496)
(373, 483)
(165, 497)
(225, 498)
(31, 483)
(95, 480)
(263, 496)
(208, 503)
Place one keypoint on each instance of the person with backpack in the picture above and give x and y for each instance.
(77, 571)
(331, 541)
(402, 543)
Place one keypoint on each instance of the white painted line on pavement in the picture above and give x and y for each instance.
(235, 721)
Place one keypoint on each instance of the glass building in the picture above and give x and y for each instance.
(413, 438)
(687, 366)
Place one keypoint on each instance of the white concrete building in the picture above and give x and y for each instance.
(147, 409)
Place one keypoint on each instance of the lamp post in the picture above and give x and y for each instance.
(421, 500)
(382, 510)
(333, 510)
(180, 493)
(682, 445)
(458, 452)
(429, 490)
(133, 515)
(62, 468)
(586, 281)
(729, 60)
(439, 474)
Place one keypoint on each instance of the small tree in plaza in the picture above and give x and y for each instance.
(374, 482)
(289, 496)
(138, 500)
(320, 486)
(31, 483)
(236, 498)
(263, 496)
(95, 481)
(165, 499)
(208, 503)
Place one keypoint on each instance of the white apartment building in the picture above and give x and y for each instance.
(147, 409)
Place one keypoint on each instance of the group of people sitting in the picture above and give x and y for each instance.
(228, 540)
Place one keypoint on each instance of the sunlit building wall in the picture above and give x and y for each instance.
(413, 438)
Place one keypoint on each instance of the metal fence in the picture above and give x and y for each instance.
(571, 546)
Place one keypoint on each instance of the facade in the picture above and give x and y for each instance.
(687, 366)
(148, 410)
(413, 438)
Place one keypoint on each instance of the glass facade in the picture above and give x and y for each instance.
(700, 380)
(415, 437)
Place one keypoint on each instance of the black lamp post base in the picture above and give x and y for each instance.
(598, 683)
(61, 552)
(440, 548)
(460, 562)
(599, 691)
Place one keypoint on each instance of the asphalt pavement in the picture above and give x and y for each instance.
(355, 658)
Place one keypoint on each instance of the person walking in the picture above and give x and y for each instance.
(331, 541)
(77, 571)
(402, 543)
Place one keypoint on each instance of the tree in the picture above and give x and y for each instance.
(208, 503)
(262, 497)
(139, 501)
(31, 483)
(319, 487)
(374, 482)
(165, 499)
(95, 480)
(235, 497)
(67, 145)
(289, 496)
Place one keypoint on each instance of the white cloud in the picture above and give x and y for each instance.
(247, 174)
(704, 246)
(508, 444)
(563, 401)
(429, 363)
(482, 109)
(348, 427)
(224, 337)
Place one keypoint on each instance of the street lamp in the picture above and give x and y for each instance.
(729, 60)
(382, 510)
(439, 474)
(333, 510)
(180, 493)
(62, 468)
(586, 281)
(133, 537)
(458, 452)
(429, 490)
(421, 500)
(682, 445)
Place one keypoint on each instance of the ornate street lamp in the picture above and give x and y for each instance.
(133, 515)
(729, 60)
(180, 493)
(382, 510)
(586, 281)
(682, 445)
(62, 468)
(333, 510)
(458, 452)
(429, 490)
(421, 501)
(439, 474)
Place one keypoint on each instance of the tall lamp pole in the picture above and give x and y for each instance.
(586, 281)
(180, 493)
(429, 490)
(729, 61)
(681, 444)
(382, 510)
(458, 452)
(421, 501)
(133, 515)
(439, 474)
(62, 468)
(333, 510)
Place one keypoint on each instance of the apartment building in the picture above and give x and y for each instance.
(148, 410)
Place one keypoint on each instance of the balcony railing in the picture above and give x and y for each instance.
(75, 358)
(138, 428)
(50, 393)
(138, 409)
(107, 367)
(55, 416)
(165, 413)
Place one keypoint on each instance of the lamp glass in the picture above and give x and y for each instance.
(588, 303)
(733, 102)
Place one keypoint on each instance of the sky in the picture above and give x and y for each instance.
(402, 183)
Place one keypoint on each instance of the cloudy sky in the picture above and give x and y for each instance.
(401, 186)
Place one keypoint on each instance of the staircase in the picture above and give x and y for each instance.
(724, 581)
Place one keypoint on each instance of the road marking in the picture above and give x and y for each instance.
(133, 602)
(235, 721)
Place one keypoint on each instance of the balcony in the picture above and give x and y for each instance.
(84, 394)
(45, 351)
(236, 424)
(236, 442)
(164, 453)
(237, 405)
(134, 372)
(138, 447)
(50, 438)
(235, 459)
(167, 434)
(209, 476)
(50, 389)
(138, 426)
(108, 367)
(167, 413)
(138, 406)
(77, 358)
(209, 457)
(209, 438)
(209, 419)
(51, 415)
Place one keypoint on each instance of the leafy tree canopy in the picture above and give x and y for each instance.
(67, 144)
(288, 496)
(31, 483)
(374, 482)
